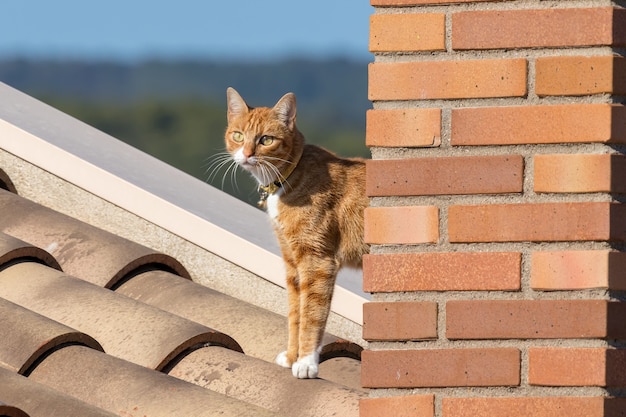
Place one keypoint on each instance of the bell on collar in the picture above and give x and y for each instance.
(262, 203)
(265, 191)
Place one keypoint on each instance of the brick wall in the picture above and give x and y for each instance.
(498, 232)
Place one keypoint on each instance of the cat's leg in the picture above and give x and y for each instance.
(316, 291)
(288, 357)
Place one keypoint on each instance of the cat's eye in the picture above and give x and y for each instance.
(266, 140)
(237, 137)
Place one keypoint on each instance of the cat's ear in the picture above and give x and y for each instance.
(236, 105)
(286, 110)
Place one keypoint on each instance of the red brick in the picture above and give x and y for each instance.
(497, 29)
(407, 32)
(566, 366)
(447, 79)
(400, 320)
(577, 367)
(446, 271)
(405, 406)
(577, 270)
(541, 222)
(572, 173)
(401, 225)
(569, 123)
(580, 173)
(528, 319)
(403, 127)
(580, 75)
(569, 173)
(440, 368)
(524, 407)
(445, 175)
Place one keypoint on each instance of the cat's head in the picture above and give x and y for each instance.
(264, 141)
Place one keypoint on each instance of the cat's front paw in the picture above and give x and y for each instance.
(306, 367)
(283, 360)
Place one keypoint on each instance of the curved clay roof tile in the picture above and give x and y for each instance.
(39, 400)
(82, 250)
(124, 327)
(266, 384)
(20, 350)
(14, 250)
(128, 389)
(260, 332)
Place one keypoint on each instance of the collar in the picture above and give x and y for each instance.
(267, 190)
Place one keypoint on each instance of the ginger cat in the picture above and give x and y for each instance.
(316, 202)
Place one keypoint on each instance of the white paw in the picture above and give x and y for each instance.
(281, 359)
(306, 367)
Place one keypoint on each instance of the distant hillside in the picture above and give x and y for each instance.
(176, 111)
(333, 89)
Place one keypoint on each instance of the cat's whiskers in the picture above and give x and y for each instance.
(216, 163)
(216, 166)
(271, 169)
(279, 176)
(274, 158)
(232, 168)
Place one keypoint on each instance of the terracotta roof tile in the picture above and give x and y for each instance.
(246, 323)
(342, 370)
(124, 327)
(32, 337)
(39, 400)
(12, 250)
(245, 378)
(124, 388)
(82, 250)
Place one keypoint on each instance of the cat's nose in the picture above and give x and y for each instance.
(243, 157)
(247, 150)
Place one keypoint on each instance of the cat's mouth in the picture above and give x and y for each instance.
(262, 174)
(248, 165)
(252, 166)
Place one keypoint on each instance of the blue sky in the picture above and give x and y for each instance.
(136, 29)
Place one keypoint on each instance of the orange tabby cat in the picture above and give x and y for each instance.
(316, 202)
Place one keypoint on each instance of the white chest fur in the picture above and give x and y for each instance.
(272, 204)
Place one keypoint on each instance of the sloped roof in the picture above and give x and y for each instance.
(96, 324)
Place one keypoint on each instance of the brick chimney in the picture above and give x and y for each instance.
(497, 223)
